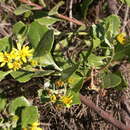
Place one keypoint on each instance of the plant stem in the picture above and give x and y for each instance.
(38, 7)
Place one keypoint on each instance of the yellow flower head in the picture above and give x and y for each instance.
(25, 52)
(53, 98)
(35, 126)
(14, 54)
(39, 128)
(59, 83)
(15, 65)
(4, 58)
(121, 38)
(15, 59)
(67, 100)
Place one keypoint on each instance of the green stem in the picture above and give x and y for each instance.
(111, 59)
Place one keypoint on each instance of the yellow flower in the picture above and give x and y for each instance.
(53, 98)
(67, 100)
(14, 54)
(59, 83)
(35, 126)
(33, 63)
(25, 52)
(15, 65)
(121, 38)
(16, 58)
(4, 58)
(39, 128)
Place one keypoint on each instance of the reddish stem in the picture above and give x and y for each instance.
(70, 19)
(108, 117)
(38, 7)
(28, 2)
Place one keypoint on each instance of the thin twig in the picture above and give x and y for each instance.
(28, 2)
(38, 7)
(125, 18)
(70, 12)
(70, 19)
(108, 117)
(119, 8)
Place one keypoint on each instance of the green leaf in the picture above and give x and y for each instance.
(36, 33)
(95, 61)
(28, 14)
(5, 44)
(29, 116)
(18, 27)
(3, 74)
(75, 98)
(19, 102)
(75, 81)
(22, 76)
(47, 60)
(22, 9)
(3, 102)
(45, 45)
(124, 82)
(42, 2)
(113, 24)
(54, 10)
(125, 2)
(43, 73)
(68, 72)
(96, 42)
(47, 20)
(110, 80)
(128, 2)
(84, 7)
(74, 91)
(42, 52)
(121, 52)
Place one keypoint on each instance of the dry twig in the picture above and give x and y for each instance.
(38, 7)
(28, 2)
(125, 18)
(103, 114)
